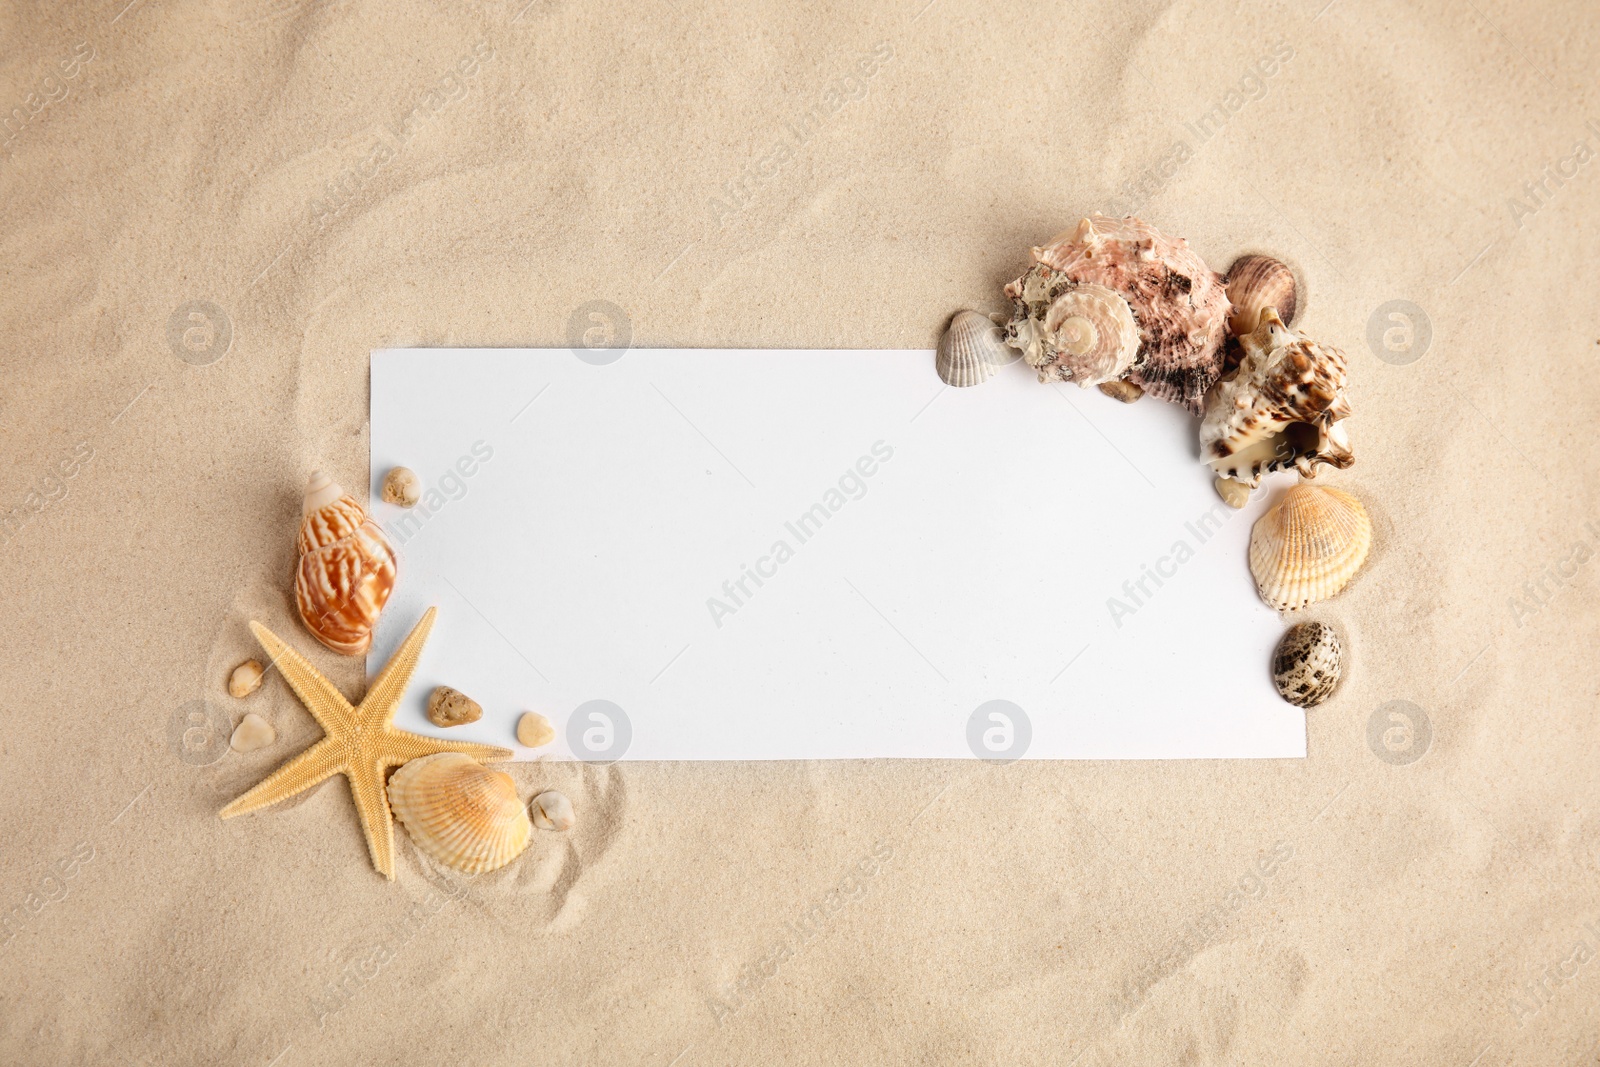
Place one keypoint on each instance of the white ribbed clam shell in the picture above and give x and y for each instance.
(971, 351)
(460, 812)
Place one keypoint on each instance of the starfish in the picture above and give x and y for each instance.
(361, 742)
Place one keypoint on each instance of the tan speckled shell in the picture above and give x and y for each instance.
(1179, 304)
(460, 812)
(346, 569)
(1282, 409)
(1308, 546)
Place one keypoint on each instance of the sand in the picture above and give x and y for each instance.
(213, 214)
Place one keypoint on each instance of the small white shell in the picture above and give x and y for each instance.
(245, 679)
(460, 812)
(534, 730)
(253, 732)
(971, 350)
(553, 811)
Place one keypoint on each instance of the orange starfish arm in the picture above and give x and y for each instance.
(331, 710)
(404, 746)
(317, 763)
(383, 697)
(368, 788)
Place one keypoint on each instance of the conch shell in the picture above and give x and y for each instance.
(1178, 304)
(1308, 546)
(1282, 408)
(460, 812)
(346, 569)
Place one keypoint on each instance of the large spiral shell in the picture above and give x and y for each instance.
(346, 569)
(1178, 304)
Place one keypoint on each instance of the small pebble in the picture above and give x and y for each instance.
(245, 679)
(402, 486)
(1234, 493)
(552, 811)
(1125, 391)
(449, 707)
(253, 732)
(534, 730)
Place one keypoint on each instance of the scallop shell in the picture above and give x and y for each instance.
(1178, 303)
(971, 351)
(1256, 282)
(460, 812)
(1308, 546)
(1308, 664)
(346, 569)
(1282, 408)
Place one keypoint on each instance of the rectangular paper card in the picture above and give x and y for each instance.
(705, 554)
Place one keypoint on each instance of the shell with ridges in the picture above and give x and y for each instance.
(1308, 546)
(346, 569)
(1179, 304)
(1256, 282)
(1282, 408)
(971, 351)
(1093, 334)
(1308, 663)
(460, 812)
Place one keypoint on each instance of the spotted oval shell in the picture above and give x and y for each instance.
(1308, 664)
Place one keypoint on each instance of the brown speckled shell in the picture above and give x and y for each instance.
(1280, 410)
(1180, 304)
(1256, 282)
(346, 569)
(1308, 664)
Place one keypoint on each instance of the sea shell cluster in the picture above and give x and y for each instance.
(1117, 304)
(346, 569)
